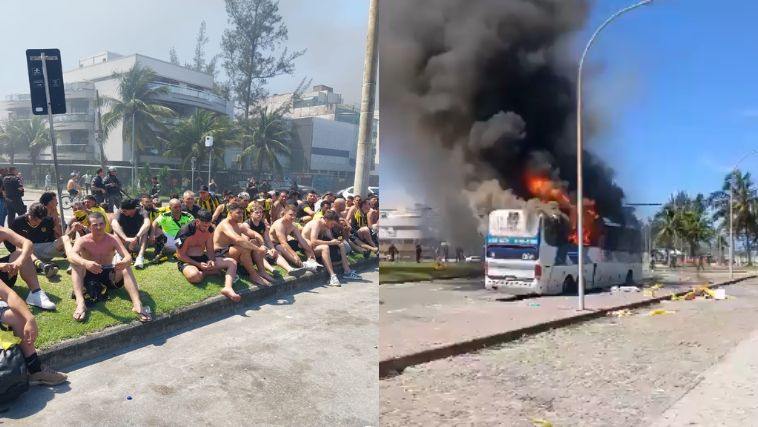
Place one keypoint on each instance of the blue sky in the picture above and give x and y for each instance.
(333, 32)
(676, 81)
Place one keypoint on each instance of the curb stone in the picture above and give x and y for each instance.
(395, 366)
(114, 340)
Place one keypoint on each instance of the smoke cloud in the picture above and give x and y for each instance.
(479, 93)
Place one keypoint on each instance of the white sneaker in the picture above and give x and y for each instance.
(116, 258)
(311, 265)
(139, 262)
(334, 281)
(40, 299)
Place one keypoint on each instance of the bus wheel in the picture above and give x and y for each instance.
(629, 278)
(569, 286)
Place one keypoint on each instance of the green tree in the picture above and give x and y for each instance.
(249, 49)
(137, 107)
(264, 138)
(24, 135)
(187, 138)
(743, 207)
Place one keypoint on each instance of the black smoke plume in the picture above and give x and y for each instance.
(475, 94)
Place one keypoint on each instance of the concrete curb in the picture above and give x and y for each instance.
(396, 365)
(113, 340)
(465, 276)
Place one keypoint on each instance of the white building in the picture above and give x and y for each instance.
(188, 90)
(327, 132)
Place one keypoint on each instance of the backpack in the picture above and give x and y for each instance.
(14, 377)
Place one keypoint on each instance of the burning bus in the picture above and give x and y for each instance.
(535, 251)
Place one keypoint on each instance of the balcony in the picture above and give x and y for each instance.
(193, 97)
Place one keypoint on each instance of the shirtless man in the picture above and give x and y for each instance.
(194, 250)
(91, 258)
(285, 226)
(232, 239)
(258, 225)
(277, 208)
(15, 314)
(319, 236)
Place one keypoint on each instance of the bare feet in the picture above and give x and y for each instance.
(267, 277)
(80, 313)
(259, 280)
(229, 293)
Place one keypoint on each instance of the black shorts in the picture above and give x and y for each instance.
(199, 258)
(295, 245)
(106, 277)
(334, 254)
(222, 253)
(8, 280)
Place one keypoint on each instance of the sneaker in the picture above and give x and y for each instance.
(158, 258)
(47, 376)
(69, 270)
(297, 272)
(311, 265)
(49, 270)
(40, 299)
(116, 258)
(334, 281)
(352, 275)
(139, 263)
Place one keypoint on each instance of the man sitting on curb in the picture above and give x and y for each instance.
(194, 250)
(37, 227)
(258, 225)
(132, 226)
(232, 239)
(170, 223)
(15, 314)
(318, 233)
(19, 263)
(279, 232)
(91, 258)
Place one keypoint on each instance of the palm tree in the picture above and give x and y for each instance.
(137, 108)
(264, 139)
(186, 139)
(743, 206)
(33, 134)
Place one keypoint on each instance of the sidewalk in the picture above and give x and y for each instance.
(441, 324)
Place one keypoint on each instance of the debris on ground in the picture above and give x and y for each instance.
(648, 292)
(660, 311)
(538, 422)
(439, 266)
(620, 313)
(702, 292)
(625, 289)
(657, 286)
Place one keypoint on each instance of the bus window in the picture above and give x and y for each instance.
(525, 253)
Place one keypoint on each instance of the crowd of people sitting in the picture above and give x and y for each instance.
(211, 234)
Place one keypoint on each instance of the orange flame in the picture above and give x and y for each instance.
(546, 190)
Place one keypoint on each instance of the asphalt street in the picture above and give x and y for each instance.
(308, 358)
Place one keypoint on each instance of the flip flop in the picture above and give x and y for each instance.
(145, 315)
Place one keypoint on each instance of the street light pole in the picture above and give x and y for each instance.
(579, 143)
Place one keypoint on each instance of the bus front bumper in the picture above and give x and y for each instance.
(512, 286)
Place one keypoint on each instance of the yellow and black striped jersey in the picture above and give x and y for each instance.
(209, 205)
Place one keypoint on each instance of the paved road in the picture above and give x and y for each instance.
(309, 359)
(695, 365)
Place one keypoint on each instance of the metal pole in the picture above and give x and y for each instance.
(579, 142)
(210, 156)
(52, 139)
(134, 154)
(362, 161)
(731, 227)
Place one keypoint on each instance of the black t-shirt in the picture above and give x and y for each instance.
(193, 210)
(301, 210)
(131, 225)
(97, 182)
(43, 233)
(112, 185)
(12, 186)
(260, 228)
